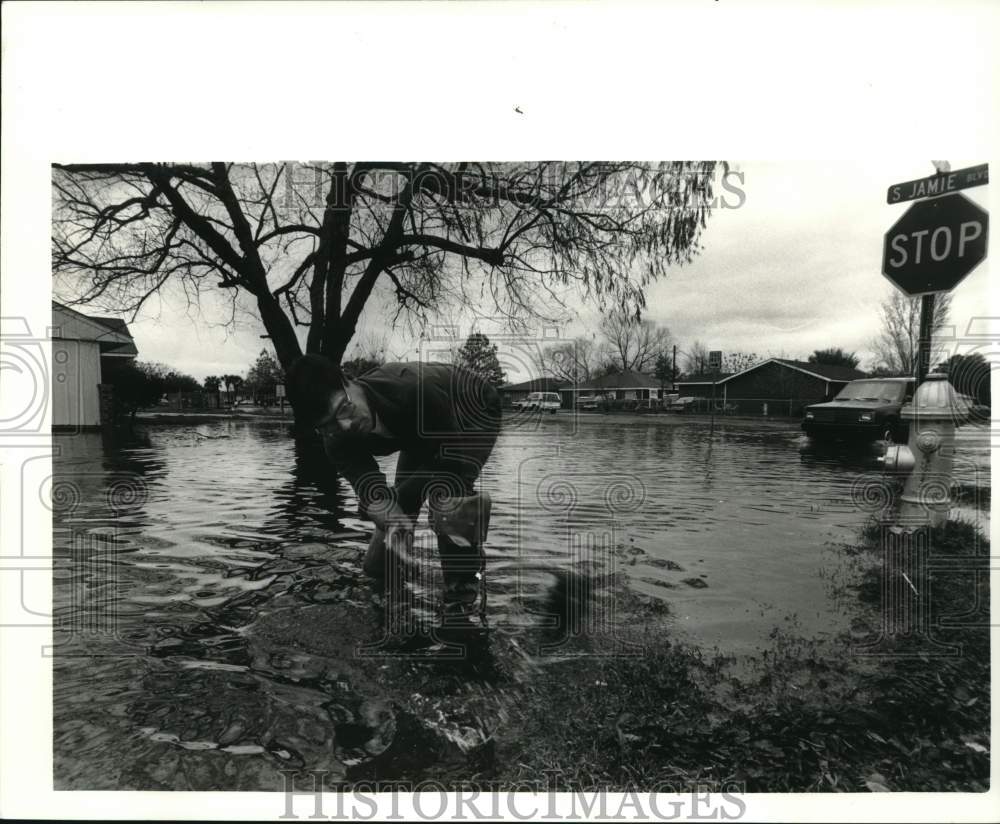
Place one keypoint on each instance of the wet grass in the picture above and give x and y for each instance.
(868, 711)
(802, 715)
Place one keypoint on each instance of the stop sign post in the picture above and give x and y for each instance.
(935, 244)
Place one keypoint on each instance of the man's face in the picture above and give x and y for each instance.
(346, 415)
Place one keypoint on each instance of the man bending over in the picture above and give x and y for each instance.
(442, 420)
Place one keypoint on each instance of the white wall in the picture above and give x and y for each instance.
(76, 371)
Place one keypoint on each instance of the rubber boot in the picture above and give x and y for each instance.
(461, 525)
(462, 570)
(390, 564)
(465, 521)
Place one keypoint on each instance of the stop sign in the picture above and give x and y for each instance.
(935, 244)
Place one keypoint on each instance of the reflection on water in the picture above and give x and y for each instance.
(210, 605)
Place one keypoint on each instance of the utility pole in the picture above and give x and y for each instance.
(673, 370)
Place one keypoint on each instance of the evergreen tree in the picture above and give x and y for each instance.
(970, 375)
(664, 370)
(232, 384)
(264, 375)
(357, 366)
(479, 355)
(835, 357)
(173, 381)
(137, 385)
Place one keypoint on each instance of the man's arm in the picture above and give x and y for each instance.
(377, 501)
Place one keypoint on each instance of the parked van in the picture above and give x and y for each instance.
(865, 408)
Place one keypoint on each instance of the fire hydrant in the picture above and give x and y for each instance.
(933, 414)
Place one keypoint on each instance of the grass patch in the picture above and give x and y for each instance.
(802, 716)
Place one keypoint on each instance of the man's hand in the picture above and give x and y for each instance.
(399, 549)
(397, 519)
(399, 540)
(399, 532)
(393, 543)
(386, 521)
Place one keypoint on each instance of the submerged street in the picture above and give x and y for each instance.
(221, 575)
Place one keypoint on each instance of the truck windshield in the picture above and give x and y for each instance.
(883, 391)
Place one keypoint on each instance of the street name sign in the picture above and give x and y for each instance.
(939, 184)
(935, 244)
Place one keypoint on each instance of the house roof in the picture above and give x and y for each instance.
(823, 370)
(622, 380)
(841, 374)
(111, 334)
(706, 377)
(119, 326)
(535, 385)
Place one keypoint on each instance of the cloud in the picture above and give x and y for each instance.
(795, 268)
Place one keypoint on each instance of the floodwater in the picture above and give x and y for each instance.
(210, 607)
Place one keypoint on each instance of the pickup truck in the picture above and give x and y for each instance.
(540, 402)
(865, 409)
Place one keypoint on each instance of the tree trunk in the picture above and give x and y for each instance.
(280, 330)
(338, 347)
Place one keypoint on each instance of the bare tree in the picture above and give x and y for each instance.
(897, 345)
(696, 359)
(368, 352)
(734, 362)
(441, 340)
(577, 360)
(371, 345)
(631, 344)
(308, 244)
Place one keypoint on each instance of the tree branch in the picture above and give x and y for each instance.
(494, 257)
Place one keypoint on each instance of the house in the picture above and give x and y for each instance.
(777, 386)
(513, 392)
(622, 386)
(83, 349)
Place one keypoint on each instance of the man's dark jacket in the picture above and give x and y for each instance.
(444, 420)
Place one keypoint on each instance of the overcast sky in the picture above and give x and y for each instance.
(794, 269)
